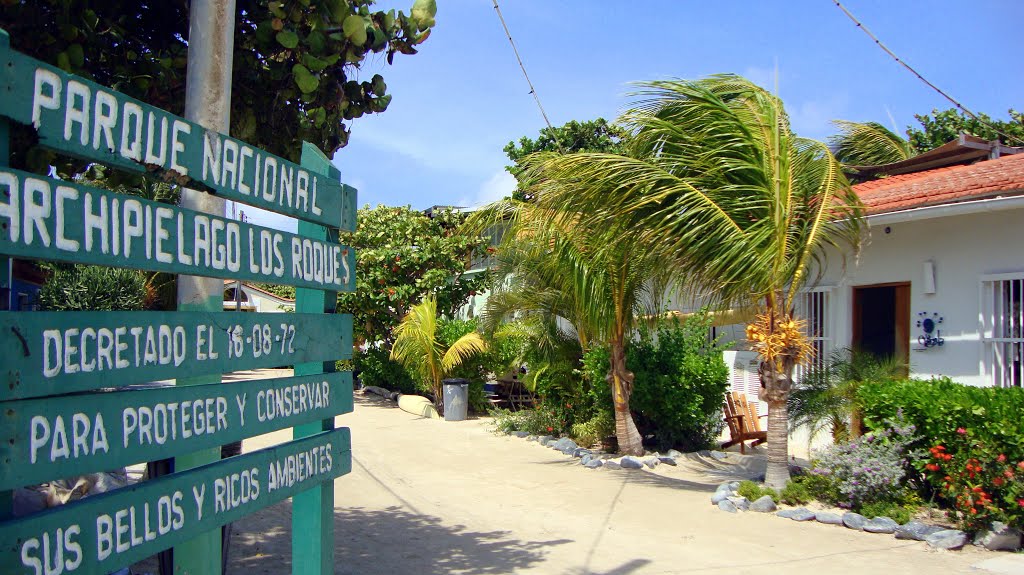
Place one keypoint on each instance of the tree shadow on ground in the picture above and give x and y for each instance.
(387, 541)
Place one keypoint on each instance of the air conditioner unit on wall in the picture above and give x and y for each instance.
(743, 376)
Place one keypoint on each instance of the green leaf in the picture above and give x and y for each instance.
(317, 41)
(63, 62)
(339, 10)
(76, 55)
(378, 85)
(354, 28)
(304, 80)
(423, 12)
(288, 39)
(313, 63)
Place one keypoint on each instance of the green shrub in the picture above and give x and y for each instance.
(823, 488)
(754, 491)
(900, 511)
(533, 421)
(93, 288)
(796, 492)
(938, 407)
(375, 367)
(680, 384)
(597, 428)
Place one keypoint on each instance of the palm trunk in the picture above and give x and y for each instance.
(621, 381)
(777, 473)
(856, 422)
(775, 388)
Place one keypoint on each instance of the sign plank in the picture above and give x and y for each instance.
(81, 118)
(52, 353)
(100, 534)
(56, 437)
(50, 219)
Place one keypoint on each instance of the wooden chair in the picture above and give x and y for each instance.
(744, 423)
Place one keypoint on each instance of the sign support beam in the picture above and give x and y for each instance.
(6, 497)
(313, 510)
(208, 103)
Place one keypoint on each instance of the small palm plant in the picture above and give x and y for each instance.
(419, 348)
(827, 397)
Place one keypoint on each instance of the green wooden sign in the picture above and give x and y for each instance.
(100, 534)
(49, 353)
(57, 437)
(50, 219)
(78, 117)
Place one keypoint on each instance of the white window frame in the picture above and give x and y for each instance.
(817, 302)
(1002, 329)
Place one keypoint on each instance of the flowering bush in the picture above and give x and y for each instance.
(979, 483)
(871, 468)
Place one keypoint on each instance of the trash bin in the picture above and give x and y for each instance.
(456, 399)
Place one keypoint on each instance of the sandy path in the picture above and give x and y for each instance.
(435, 497)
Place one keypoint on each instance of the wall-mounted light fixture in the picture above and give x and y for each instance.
(928, 277)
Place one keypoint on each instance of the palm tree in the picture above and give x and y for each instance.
(868, 144)
(599, 279)
(828, 396)
(716, 176)
(419, 349)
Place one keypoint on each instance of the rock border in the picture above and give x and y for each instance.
(1000, 537)
(595, 458)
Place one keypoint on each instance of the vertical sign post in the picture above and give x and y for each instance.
(211, 38)
(6, 497)
(313, 510)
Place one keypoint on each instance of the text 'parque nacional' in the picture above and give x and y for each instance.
(85, 119)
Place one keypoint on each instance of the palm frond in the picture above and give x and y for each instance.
(868, 144)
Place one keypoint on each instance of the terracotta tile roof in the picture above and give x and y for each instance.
(1000, 177)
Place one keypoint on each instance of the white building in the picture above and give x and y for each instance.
(252, 298)
(943, 251)
(944, 243)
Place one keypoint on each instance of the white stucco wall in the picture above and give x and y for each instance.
(266, 304)
(963, 249)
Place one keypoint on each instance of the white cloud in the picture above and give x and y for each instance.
(813, 118)
(498, 186)
(764, 77)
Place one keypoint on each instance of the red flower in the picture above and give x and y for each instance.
(1020, 502)
(1020, 465)
(998, 481)
(939, 448)
(932, 467)
(551, 428)
(961, 430)
(1001, 458)
(947, 457)
(398, 258)
(1008, 474)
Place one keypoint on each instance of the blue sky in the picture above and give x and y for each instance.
(462, 98)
